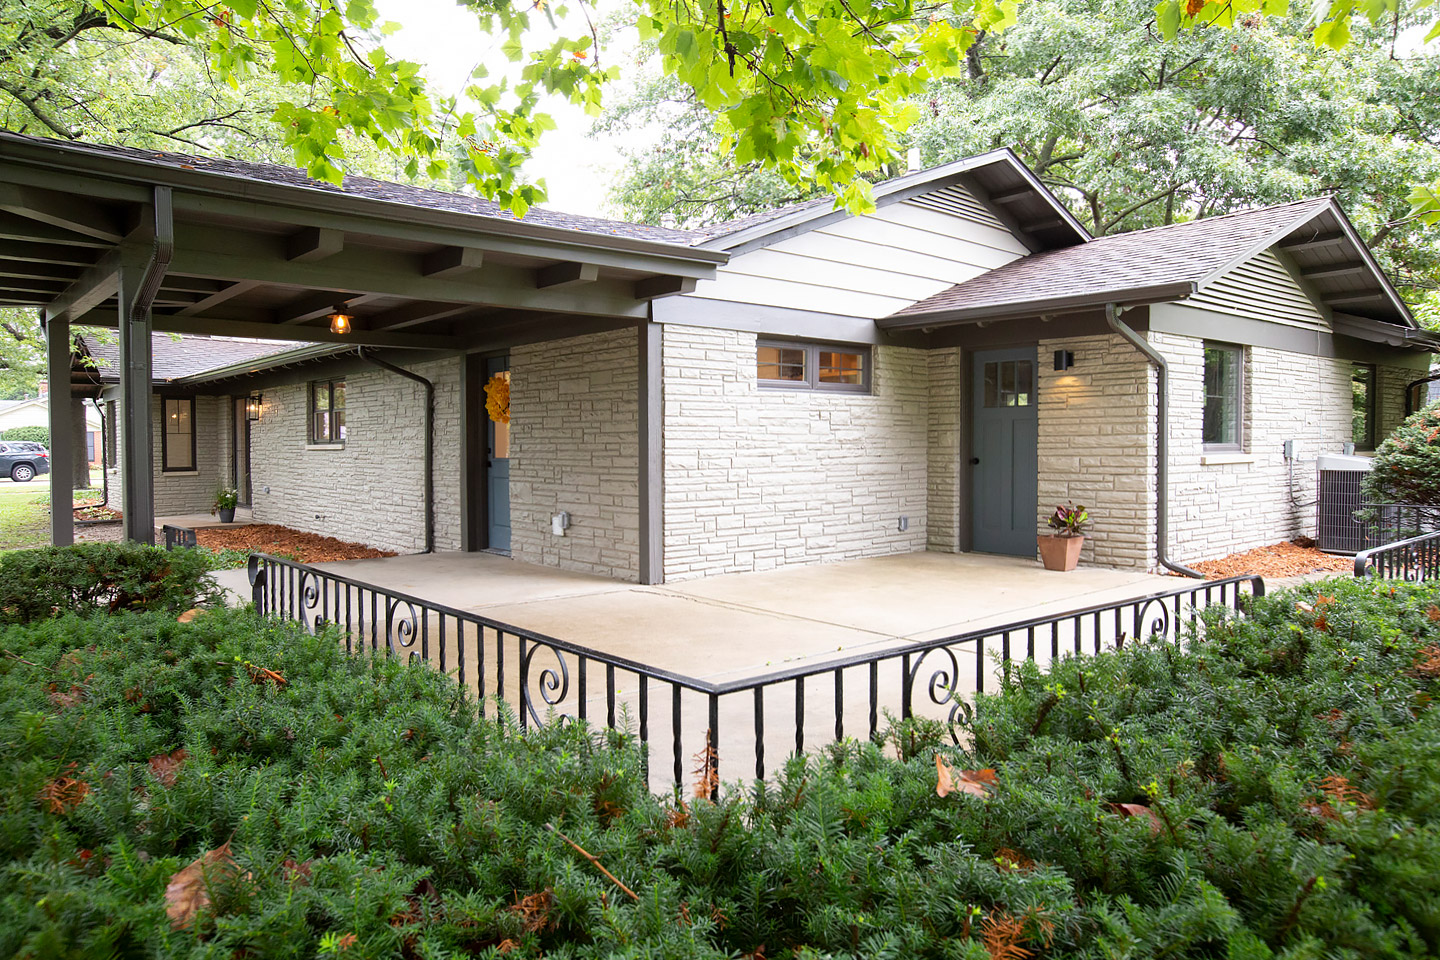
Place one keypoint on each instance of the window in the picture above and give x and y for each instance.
(327, 412)
(1009, 383)
(177, 439)
(1224, 395)
(1362, 410)
(814, 366)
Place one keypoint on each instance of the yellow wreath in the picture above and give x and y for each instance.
(497, 398)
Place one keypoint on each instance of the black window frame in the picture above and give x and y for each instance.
(1372, 387)
(165, 466)
(1238, 444)
(337, 436)
(812, 350)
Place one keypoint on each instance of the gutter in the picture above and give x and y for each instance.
(1162, 440)
(1014, 310)
(262, 363)
(363, 354)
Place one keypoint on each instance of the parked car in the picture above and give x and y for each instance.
(21, 460)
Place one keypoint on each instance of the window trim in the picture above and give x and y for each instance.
(335, 441)
(165, 467)
(813, 349)
(1238, 444)
(1372, 405)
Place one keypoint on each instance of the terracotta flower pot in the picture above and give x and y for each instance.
(1060, 553)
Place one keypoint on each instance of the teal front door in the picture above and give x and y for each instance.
(497, 467)
(1003, 498)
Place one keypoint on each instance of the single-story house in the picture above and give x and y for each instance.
(35, 412)
(798, 386)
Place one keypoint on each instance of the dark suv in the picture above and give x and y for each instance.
(21, 461)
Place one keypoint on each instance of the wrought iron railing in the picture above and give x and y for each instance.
(1415, 559)
(675, 717)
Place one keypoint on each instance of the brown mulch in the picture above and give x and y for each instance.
(95, 512)
(1289, 559)
(273, 538)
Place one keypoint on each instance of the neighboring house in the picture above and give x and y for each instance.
(794, 387)
(35, 412)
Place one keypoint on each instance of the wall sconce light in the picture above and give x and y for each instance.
(340, 320)
(252, 407)
(1064, 359)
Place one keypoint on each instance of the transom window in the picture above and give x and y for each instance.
(812, 366)
(1223, 427)
(327, 411)
(1362, 415)
(177, 438)
(1009, 383)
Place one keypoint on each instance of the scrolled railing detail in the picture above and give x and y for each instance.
(402, 634)
(552, 683)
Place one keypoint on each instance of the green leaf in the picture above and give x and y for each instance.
(1167, 18)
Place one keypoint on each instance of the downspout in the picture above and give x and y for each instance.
(429, 438)
(104, 453)
(1162, 440)
(160, 255)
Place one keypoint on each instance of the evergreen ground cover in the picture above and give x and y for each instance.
(231, 787)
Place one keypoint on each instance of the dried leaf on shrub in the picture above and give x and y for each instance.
(165, 766)
(296, 873)
(1007, 859)
(189, 615)
(63, 794)
(1139, 810)
(189, 889)
(1427, 661)
(68, 698)
(977, 783)
(1002, 935)
(1433, 612)
(534, 910)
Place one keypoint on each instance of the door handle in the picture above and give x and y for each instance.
(974, 461)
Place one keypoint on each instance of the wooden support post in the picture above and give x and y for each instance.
(137, 457)
(62, 438)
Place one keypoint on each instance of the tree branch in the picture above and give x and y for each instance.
(32, 104)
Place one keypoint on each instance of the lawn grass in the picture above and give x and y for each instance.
(25, 513)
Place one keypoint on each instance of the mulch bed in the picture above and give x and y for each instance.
(1290, 559)
(273, 538)
(94, 513)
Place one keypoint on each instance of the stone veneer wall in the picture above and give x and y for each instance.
(755, 479)
(190, 491)
(1096, 421)
(944, 479)
(371, 490)
(575, 447)
(1095, 426)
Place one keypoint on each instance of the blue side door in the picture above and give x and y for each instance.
(1004, 455)
(497, 467)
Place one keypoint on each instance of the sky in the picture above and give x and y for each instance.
(448, 41)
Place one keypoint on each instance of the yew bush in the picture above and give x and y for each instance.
(232, 787)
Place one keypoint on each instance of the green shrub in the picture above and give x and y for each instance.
(32, 434)
(1272, 791)
(48, 581)
(1406, 466)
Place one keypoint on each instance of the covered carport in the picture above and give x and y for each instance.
(146, 242)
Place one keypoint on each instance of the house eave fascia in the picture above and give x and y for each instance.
(569, 243)
(1130, 297)
(1378, 331)
(891, 191)
(261, 364)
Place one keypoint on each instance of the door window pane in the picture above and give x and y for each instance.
(1009, 383)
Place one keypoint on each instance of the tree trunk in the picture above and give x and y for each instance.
(81, 473)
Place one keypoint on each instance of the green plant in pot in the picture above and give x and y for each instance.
(224, 506)
(1061, 550)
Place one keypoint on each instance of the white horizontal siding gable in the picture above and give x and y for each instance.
(871, 266)
(1262, 288)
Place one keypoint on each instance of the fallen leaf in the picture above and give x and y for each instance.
(166, 766)
(63, 794)
(1433, 612)
(190, 615)
(189, 891)
(67, 699)
(347, 941)
(1303, 606)
(298, 873)
(1139, 810)
(977, 783)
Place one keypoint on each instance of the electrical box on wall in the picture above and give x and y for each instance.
(559, 523)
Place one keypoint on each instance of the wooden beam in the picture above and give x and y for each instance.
(314, 243)
(33, 231)
(450, 262)
(1300, 246)
(54, 254)
(1325, 273)
(1356, 298)
(414, 314)
(316, 305)
(220, 296)
(1010, 196)
(97, 284)
(180, 323)
(65, 211)
(653, 288)
(566, 274)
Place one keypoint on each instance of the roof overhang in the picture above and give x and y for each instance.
(273, 260)
(1054, 306)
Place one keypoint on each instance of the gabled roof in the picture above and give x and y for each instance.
(1171, 263)
(999, 180)
(178, 357)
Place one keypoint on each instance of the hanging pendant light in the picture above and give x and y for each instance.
(340, 320)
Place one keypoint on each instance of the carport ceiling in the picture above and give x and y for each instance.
(261, 251)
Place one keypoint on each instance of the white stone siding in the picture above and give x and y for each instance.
(943, 486)
(755, 479)
(1095, 446)
(575, 447)
(1390, 384)
(189, 491)
(370, 491)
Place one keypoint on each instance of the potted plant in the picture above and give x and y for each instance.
(1061, 551)
(225, 500)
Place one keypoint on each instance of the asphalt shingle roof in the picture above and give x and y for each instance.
(186, 356)
(1185, 252)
